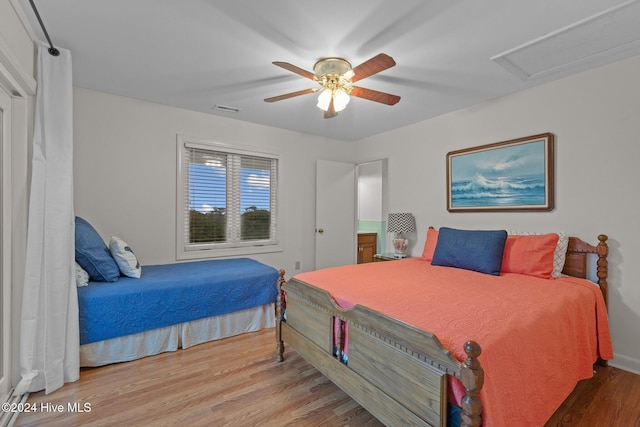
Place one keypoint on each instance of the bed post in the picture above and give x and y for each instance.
(280, 303)
(472, 377)
(602, 271)
(603, 266)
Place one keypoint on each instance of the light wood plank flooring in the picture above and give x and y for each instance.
(237, 382)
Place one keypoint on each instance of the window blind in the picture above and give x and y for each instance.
(230, 199)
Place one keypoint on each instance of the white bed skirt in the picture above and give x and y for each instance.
(171, 338)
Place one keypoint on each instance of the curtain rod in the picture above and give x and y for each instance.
(52, 50)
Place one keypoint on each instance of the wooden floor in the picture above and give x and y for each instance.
(237, 382)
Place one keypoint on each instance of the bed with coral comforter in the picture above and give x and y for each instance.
(539, 337)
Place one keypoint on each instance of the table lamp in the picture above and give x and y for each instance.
(400, 223)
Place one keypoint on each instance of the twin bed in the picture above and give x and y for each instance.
(128, 311)
(174, 306)
(417, 343)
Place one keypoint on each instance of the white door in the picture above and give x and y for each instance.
(5, 248)
(335, 214)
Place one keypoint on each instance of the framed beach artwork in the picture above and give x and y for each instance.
(515, 175)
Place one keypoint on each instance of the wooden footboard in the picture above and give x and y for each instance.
(394, 370)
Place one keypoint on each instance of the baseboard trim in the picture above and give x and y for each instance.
(9, 417)
(626, 363)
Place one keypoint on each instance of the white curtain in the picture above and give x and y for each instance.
(49, 336)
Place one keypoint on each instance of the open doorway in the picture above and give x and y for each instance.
(371, 209)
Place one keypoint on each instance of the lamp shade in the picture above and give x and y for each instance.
(340, 100)
(401, 223)
(324, 99)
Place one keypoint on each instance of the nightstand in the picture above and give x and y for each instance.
(386, 257)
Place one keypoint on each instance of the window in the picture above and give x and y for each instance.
(227, 200)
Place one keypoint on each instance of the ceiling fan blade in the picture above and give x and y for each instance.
(331, 111)
(294, 69)
(374, 95)
(373, 66)
(291, 95)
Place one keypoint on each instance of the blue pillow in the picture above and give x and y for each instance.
(93, 255)
(476, 250)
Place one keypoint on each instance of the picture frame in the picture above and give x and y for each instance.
(515, 175)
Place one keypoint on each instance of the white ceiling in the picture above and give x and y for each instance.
(196, 54)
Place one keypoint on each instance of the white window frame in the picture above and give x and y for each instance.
(186, 250)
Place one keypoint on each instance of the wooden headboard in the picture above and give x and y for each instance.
(576, 261)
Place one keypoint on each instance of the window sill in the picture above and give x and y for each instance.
(226, 252)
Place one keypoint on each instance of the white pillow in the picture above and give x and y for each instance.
(559, 255)
(82, 277)
(125, 258)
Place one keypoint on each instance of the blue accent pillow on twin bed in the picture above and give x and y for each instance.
(476, 250)
(93, 255)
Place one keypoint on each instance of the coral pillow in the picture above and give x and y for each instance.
(530, 254)
(430, 244)
(559, 255)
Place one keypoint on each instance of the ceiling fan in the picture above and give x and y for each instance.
(336, 77)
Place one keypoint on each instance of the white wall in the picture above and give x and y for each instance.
(596, 119)
(370, 191)
(125, 173)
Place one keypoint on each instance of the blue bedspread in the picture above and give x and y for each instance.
(171, 294)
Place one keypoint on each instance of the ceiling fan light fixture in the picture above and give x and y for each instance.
(340, 99)
(324, 99)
